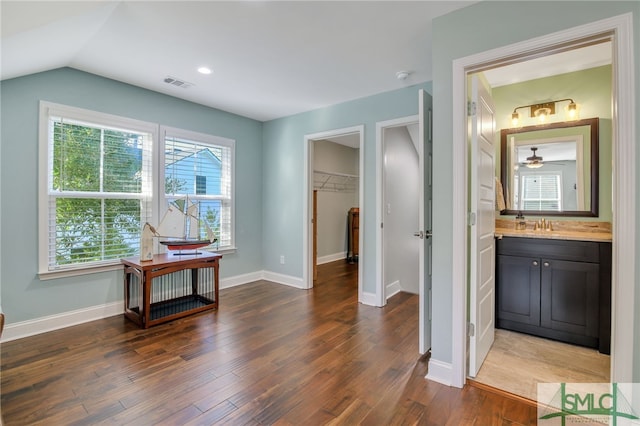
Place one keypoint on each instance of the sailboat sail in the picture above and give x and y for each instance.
(192, 214)
(172, 224)
(183, 227)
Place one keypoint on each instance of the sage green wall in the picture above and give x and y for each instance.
(24, 296)
(269, 167)
(590, 89)
(283, 174)
(478, 28)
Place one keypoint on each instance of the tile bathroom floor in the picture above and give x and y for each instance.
(518, 362)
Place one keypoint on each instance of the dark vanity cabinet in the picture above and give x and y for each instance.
(558, 289)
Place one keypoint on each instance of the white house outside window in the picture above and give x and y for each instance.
(101, 182)
(200, 167)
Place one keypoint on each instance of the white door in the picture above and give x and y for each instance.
(482, 225)
(425, 164)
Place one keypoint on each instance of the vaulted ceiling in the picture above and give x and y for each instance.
(268, 59)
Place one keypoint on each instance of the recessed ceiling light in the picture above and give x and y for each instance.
(204, 70)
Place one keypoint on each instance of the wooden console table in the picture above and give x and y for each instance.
(169, 287)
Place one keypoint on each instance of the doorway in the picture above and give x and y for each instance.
(404, 127)
(332, 188)
(550, 77)
(623, 184)
(400, 184)
(336, 207)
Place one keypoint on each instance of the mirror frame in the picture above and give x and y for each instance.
(595, 156)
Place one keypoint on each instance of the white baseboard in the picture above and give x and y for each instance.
(32, 327)
(283, 279)
(332, 257)
(241, 279)
(40, 325)
(368, 299)
(440, 372)
(393, 289)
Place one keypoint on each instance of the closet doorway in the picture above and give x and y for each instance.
(334, 194)
(336, 205)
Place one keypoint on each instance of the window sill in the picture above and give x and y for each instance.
(73, 272)
(227, 250)
(64, 273)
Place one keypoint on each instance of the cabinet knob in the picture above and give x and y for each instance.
(546, 263)
(535, 263)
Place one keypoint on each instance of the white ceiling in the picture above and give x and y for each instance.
(552, 151)
(351, 140)
(546, 66)
(269, 59)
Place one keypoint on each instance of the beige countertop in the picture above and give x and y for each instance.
(562, 230)
(555, 235)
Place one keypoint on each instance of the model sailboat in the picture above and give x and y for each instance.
(180, 226)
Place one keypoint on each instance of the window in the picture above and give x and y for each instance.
(102, 182)
(200, 167)
(201, 184)
(541, 191)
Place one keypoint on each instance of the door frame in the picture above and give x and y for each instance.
(624, 191)
(381, 126)
(307, 208)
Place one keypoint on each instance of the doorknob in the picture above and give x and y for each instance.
(422, 235)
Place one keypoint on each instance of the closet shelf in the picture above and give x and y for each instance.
(334, 182)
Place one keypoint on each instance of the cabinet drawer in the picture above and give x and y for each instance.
(582, 251)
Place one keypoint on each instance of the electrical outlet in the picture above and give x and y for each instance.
(282, 259)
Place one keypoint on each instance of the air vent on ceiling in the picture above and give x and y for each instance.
(177, 82)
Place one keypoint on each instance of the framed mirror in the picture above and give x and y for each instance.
(551, 169)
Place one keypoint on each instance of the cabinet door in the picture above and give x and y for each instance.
(518, 289)
(569, 296)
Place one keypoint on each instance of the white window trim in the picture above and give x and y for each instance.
(48, 109)
(204, 138)
(559, 182)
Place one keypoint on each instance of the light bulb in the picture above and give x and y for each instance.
(515, 117)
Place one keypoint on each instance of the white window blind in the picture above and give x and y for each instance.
(105, 176)
(98, 188)
(200, 167)
(541, 191)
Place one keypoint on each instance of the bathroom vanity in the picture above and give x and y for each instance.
(555, 285)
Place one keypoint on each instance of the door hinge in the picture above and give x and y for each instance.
(471, 109)
(471, 329)
(471, 219)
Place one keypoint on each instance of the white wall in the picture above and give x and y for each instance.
(401, 185)
(333, 207)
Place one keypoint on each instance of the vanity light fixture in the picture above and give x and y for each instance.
(543, 110)
(535, 161)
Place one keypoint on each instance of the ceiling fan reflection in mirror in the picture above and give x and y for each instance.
(534, 162)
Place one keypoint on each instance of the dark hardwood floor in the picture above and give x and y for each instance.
(270, 355)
